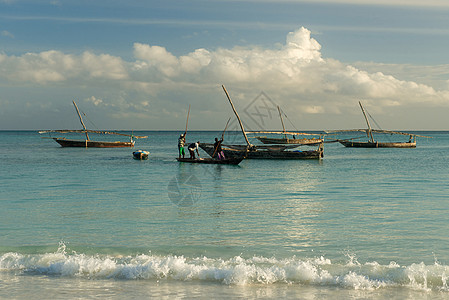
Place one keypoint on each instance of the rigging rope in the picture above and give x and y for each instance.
(288, 119)
(373, 120)
(371, 117)
(95, 126)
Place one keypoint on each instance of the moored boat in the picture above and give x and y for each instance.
(91, 144)
(372, 143)
(264, 151)
(296, 141)
(357, 144)
(140, 154)
(88, 143)
(288, 137)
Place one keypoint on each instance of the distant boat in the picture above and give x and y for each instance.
(88, 143)
(141, 154)
(286, 139)
(372, 143)
(225, 161)
(265, 151)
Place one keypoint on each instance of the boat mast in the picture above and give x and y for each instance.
(222, 136)
(187, 122)
(369, 133)
(237, 115)
(282, 121)
(81, 120)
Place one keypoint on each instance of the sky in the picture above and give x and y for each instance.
(139, 64)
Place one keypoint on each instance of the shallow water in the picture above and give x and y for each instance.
(361, 223)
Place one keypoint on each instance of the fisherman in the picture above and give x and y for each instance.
(218, 150)
(192, 147)
(181, 143)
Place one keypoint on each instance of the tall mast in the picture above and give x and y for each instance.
(187, 122)
(369, 133)
(237, 115)
(282, 121)
(81, 120)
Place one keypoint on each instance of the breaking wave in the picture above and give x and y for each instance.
(234, 271)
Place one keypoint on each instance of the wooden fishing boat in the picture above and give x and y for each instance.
(140, 154)
(286, 139)
(88, 143)
(226, 161)
(372, 143)
(264, 151)
(357, 144)
(91, 144)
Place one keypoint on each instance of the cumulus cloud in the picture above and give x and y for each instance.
(55, 66)
(94, 100)
(295, 74)
(296, 68)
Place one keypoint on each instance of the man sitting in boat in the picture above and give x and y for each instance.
(192, 147)
(218, 150)
(181, 142)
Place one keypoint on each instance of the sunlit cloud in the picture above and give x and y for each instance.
(296, 73)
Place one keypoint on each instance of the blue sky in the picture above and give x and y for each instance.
(139, 64)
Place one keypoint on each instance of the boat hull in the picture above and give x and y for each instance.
(227, 161)
(266, 140)
(92, 144)
(256, 153)
(378, 144)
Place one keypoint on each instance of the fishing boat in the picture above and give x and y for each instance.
(264, 151)
(372, 143)
(88, 143)
(225, 161)
(286, 139)
(140, 154)
(215, 157)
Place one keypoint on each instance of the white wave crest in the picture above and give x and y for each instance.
(233, 271)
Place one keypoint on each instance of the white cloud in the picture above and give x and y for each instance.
(94, 100)
(55, 66)
(104, 66)
(295, 74)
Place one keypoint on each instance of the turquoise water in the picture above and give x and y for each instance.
(361, 223)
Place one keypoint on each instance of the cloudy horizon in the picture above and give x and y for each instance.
(316, 71)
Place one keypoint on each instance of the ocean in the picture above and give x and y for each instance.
(97, 224)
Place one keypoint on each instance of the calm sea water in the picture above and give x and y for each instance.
(94, 223)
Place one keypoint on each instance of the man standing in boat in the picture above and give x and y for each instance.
(192, 148)
(218, 150)
(181, 143)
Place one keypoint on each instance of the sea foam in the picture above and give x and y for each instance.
(233, 271)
